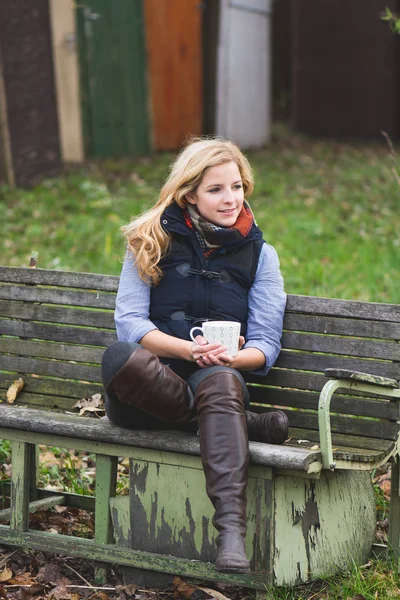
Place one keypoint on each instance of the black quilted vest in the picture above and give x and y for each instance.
(194, 288)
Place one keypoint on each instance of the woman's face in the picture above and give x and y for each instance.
(219, 197)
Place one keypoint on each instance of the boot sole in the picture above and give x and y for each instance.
(233, 569)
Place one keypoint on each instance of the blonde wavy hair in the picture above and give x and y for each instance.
(146, 238)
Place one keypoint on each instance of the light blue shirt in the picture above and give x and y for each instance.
(266, 307)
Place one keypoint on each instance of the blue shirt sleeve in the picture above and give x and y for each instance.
(267, 301)
(132, 304)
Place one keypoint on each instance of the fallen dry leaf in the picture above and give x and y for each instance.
(14, 390)
(189, 592)
(22, 579)
(3, 593)
(93, 404)
(315, 447)
(6, 574)
(60, 592)
(99, 596)
(214, 593)
(128, 590)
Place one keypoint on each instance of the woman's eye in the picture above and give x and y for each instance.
(238, 186)
(213, 190)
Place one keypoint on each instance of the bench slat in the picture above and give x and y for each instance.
(51, 368)
(371, 311)
(342, 346)
(379, 429)
(73, 390)
(338, 326)
(319, 362)
(343, 451)
(383, 409)
(174, 441)
(57, 296)
(299, 380)
(54, 314)
(59, 278)
(43, 402)
(341, 440)
(43, 331)
(51, 350)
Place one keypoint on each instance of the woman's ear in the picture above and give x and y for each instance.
(191, 198)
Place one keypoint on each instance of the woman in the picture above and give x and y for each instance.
(198, 255)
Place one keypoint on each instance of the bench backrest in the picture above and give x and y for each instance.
(55, 325)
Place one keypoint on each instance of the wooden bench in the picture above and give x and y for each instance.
(311, 505)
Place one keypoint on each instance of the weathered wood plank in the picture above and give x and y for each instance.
(341, 345)
(364, 377)
(54, 314)
(106, 483)
(302, 380)
(299, 380)
(46, 402)
(57, 296)
(59, 278)
(51, 350)
(380, 409)
(319, 362)
(338, 326)
(371, 311)
(43, 331)
(88, 549)
(32, 420)
(20, 486)
(339, 440)
(49, 367)
(372, 428)
(36, 505)
(54, 388)
(76, 500)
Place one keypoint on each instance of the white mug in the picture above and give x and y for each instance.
(222, 332)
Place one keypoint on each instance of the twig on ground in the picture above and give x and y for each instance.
(80, 576)
(4, 560)
(87, 587)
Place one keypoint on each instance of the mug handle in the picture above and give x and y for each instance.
(194, 329)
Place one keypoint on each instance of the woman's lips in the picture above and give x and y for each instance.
(227, 211)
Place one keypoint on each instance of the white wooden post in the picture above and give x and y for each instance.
(244, 72)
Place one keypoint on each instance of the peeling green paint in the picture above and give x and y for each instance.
(318, 520)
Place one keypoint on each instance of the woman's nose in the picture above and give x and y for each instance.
(229, 195)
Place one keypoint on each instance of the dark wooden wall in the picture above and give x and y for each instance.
(346, 69)
(281, 31)
(25, 47)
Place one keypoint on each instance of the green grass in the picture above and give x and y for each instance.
(375, 580)
(332, 211)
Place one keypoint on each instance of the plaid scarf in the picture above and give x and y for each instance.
(212, 236)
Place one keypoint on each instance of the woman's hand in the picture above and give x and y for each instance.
(201, 350)
(217, 357)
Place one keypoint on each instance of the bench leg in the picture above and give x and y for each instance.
(394, 515)
(106, 482)
(21, 484)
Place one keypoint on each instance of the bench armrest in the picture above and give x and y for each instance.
(364, 377)
(353, 380)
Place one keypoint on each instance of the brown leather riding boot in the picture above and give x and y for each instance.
(270, 428)
(225, 458)
(147, 384)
